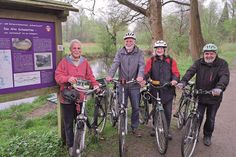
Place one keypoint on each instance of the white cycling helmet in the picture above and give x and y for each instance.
(160, 43)
(209, 47)
(130, 35)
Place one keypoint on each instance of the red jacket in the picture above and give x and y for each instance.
(67, 69)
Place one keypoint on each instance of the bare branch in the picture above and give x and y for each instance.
(181, 3)
(133, 6)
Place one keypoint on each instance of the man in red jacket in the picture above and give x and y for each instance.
(69, 70)
(164, 69)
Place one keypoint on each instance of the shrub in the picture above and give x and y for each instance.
(33, 145)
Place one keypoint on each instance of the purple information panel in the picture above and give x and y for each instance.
(27, 55)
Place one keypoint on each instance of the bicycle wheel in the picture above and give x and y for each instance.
(143, 110)
(113, 108)
(161, 131)
(121, 132)
(182, 113)
(100, 114)
(79, 139)
(190, 136)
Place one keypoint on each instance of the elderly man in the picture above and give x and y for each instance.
(212, 73)
(130, 62)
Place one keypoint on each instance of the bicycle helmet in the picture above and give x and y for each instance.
(160, 43)
(130, 35)
(210, 47)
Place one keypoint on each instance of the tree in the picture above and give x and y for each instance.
(209, 20)
(224, 17)
(195, 33)
(152, 9)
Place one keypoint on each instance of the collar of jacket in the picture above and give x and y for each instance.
(69, 59)
(214, 63)
(124, 51)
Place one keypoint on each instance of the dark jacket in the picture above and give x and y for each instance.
(164, 71)
(208, 77)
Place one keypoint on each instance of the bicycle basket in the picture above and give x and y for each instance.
(69, 95)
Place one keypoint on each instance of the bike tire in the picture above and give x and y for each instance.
(79, 139)
(112, 109)
(100, 115)
(161, 131)
(143, 110)
(122, 133)
(190, 136)
(182, 114)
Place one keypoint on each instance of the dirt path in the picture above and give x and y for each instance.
(223, 140)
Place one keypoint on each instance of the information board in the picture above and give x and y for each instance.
(27, 55)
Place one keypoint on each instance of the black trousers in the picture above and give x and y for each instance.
(211, 110)
(69, 114)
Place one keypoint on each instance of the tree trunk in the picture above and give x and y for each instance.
(196, 41)
(155, 19)
(153, 13)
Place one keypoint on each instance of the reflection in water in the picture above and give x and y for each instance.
(100, 66)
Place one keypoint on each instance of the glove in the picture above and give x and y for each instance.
(216, 91)
(180, 85)
(108, 78)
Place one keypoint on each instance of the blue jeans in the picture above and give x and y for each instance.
(134, 95)
(211, 110)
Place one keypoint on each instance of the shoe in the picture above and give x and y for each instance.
(136, 133)
(169, 136)
(176, 115)
(152, 133)
(207, 140)
(70, 151)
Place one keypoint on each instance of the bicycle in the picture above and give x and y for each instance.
(113, 104)
(157, 112)
(191, 128)
(184, 105)
(121, 113)
(82, 120)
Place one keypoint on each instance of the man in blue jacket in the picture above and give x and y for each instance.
(130, 62)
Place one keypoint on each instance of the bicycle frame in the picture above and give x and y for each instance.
(184, 105)
(82, 122)
(191, 132)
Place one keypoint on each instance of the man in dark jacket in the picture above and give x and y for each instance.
(212, 73)
(163, 69)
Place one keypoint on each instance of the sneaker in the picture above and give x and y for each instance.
(70, 151)
(136, 133)
(152, 133)
(169, 136)
(207, 140)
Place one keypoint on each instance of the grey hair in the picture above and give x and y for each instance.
(72, 42)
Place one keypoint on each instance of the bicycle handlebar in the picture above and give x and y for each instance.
(161, 86)
(123, 82)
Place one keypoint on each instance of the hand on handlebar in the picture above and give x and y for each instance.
(180, 85)
(216, 92)
(109, 78)
(72, 80)
(97, 88)
(173, 83)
